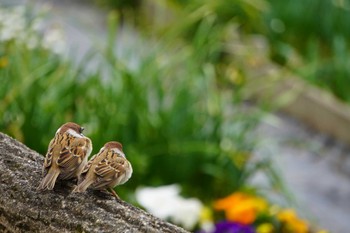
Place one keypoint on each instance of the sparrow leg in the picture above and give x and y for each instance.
(114, 193)
(71, 183)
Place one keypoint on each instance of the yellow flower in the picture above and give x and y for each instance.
(265, 228)
(322, 231)
(286, 215)
(206, 214)
(3, 62)
(235, 76)
(292, 222)
(240, 207)
(206, 219)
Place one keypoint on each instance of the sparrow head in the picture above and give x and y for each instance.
(72, 128)
(111, 145)
(115, 146)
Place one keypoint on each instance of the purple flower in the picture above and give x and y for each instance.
(232, 227)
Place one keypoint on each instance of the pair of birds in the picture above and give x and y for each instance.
(67, 158)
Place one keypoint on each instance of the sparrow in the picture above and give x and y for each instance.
(67, 155)
(107, 169)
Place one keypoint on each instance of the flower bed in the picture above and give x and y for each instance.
(240, 212)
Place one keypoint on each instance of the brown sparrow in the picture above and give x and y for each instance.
(67, 155)
(106, 169)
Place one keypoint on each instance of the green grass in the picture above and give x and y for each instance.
(320, 41)
(291, 27)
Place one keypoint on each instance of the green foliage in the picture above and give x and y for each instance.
(302, 22)
(32, 86)
(247, 14)
(209, 26)
(331, 73)
(119, 4)
(319, 30)
(316, 29)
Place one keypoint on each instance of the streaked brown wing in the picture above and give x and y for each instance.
(48, 157)
(72, 155)
(66, 158)
(119, 164)
(106, 172)
(88, 165)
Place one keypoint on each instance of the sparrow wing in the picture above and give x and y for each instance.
(71, 155)
(88, 165)
(48, 157)
(108, 171)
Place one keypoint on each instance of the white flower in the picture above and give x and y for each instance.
(19, 10)
(54, 40)
(32, 32)
(38, 25)
(12, 22)
(166, 203)
(207, 226)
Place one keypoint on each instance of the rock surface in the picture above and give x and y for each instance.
(23, 209)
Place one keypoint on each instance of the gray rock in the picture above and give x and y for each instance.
(23, 209)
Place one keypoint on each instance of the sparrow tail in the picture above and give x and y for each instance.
(82, 186)
(48, 181)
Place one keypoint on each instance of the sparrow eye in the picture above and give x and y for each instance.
(81, 129)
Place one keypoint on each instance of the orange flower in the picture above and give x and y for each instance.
(240, 207)
(292, 222)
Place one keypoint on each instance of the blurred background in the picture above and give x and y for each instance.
(236, 111)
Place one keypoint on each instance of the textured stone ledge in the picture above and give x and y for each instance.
(23, 209)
